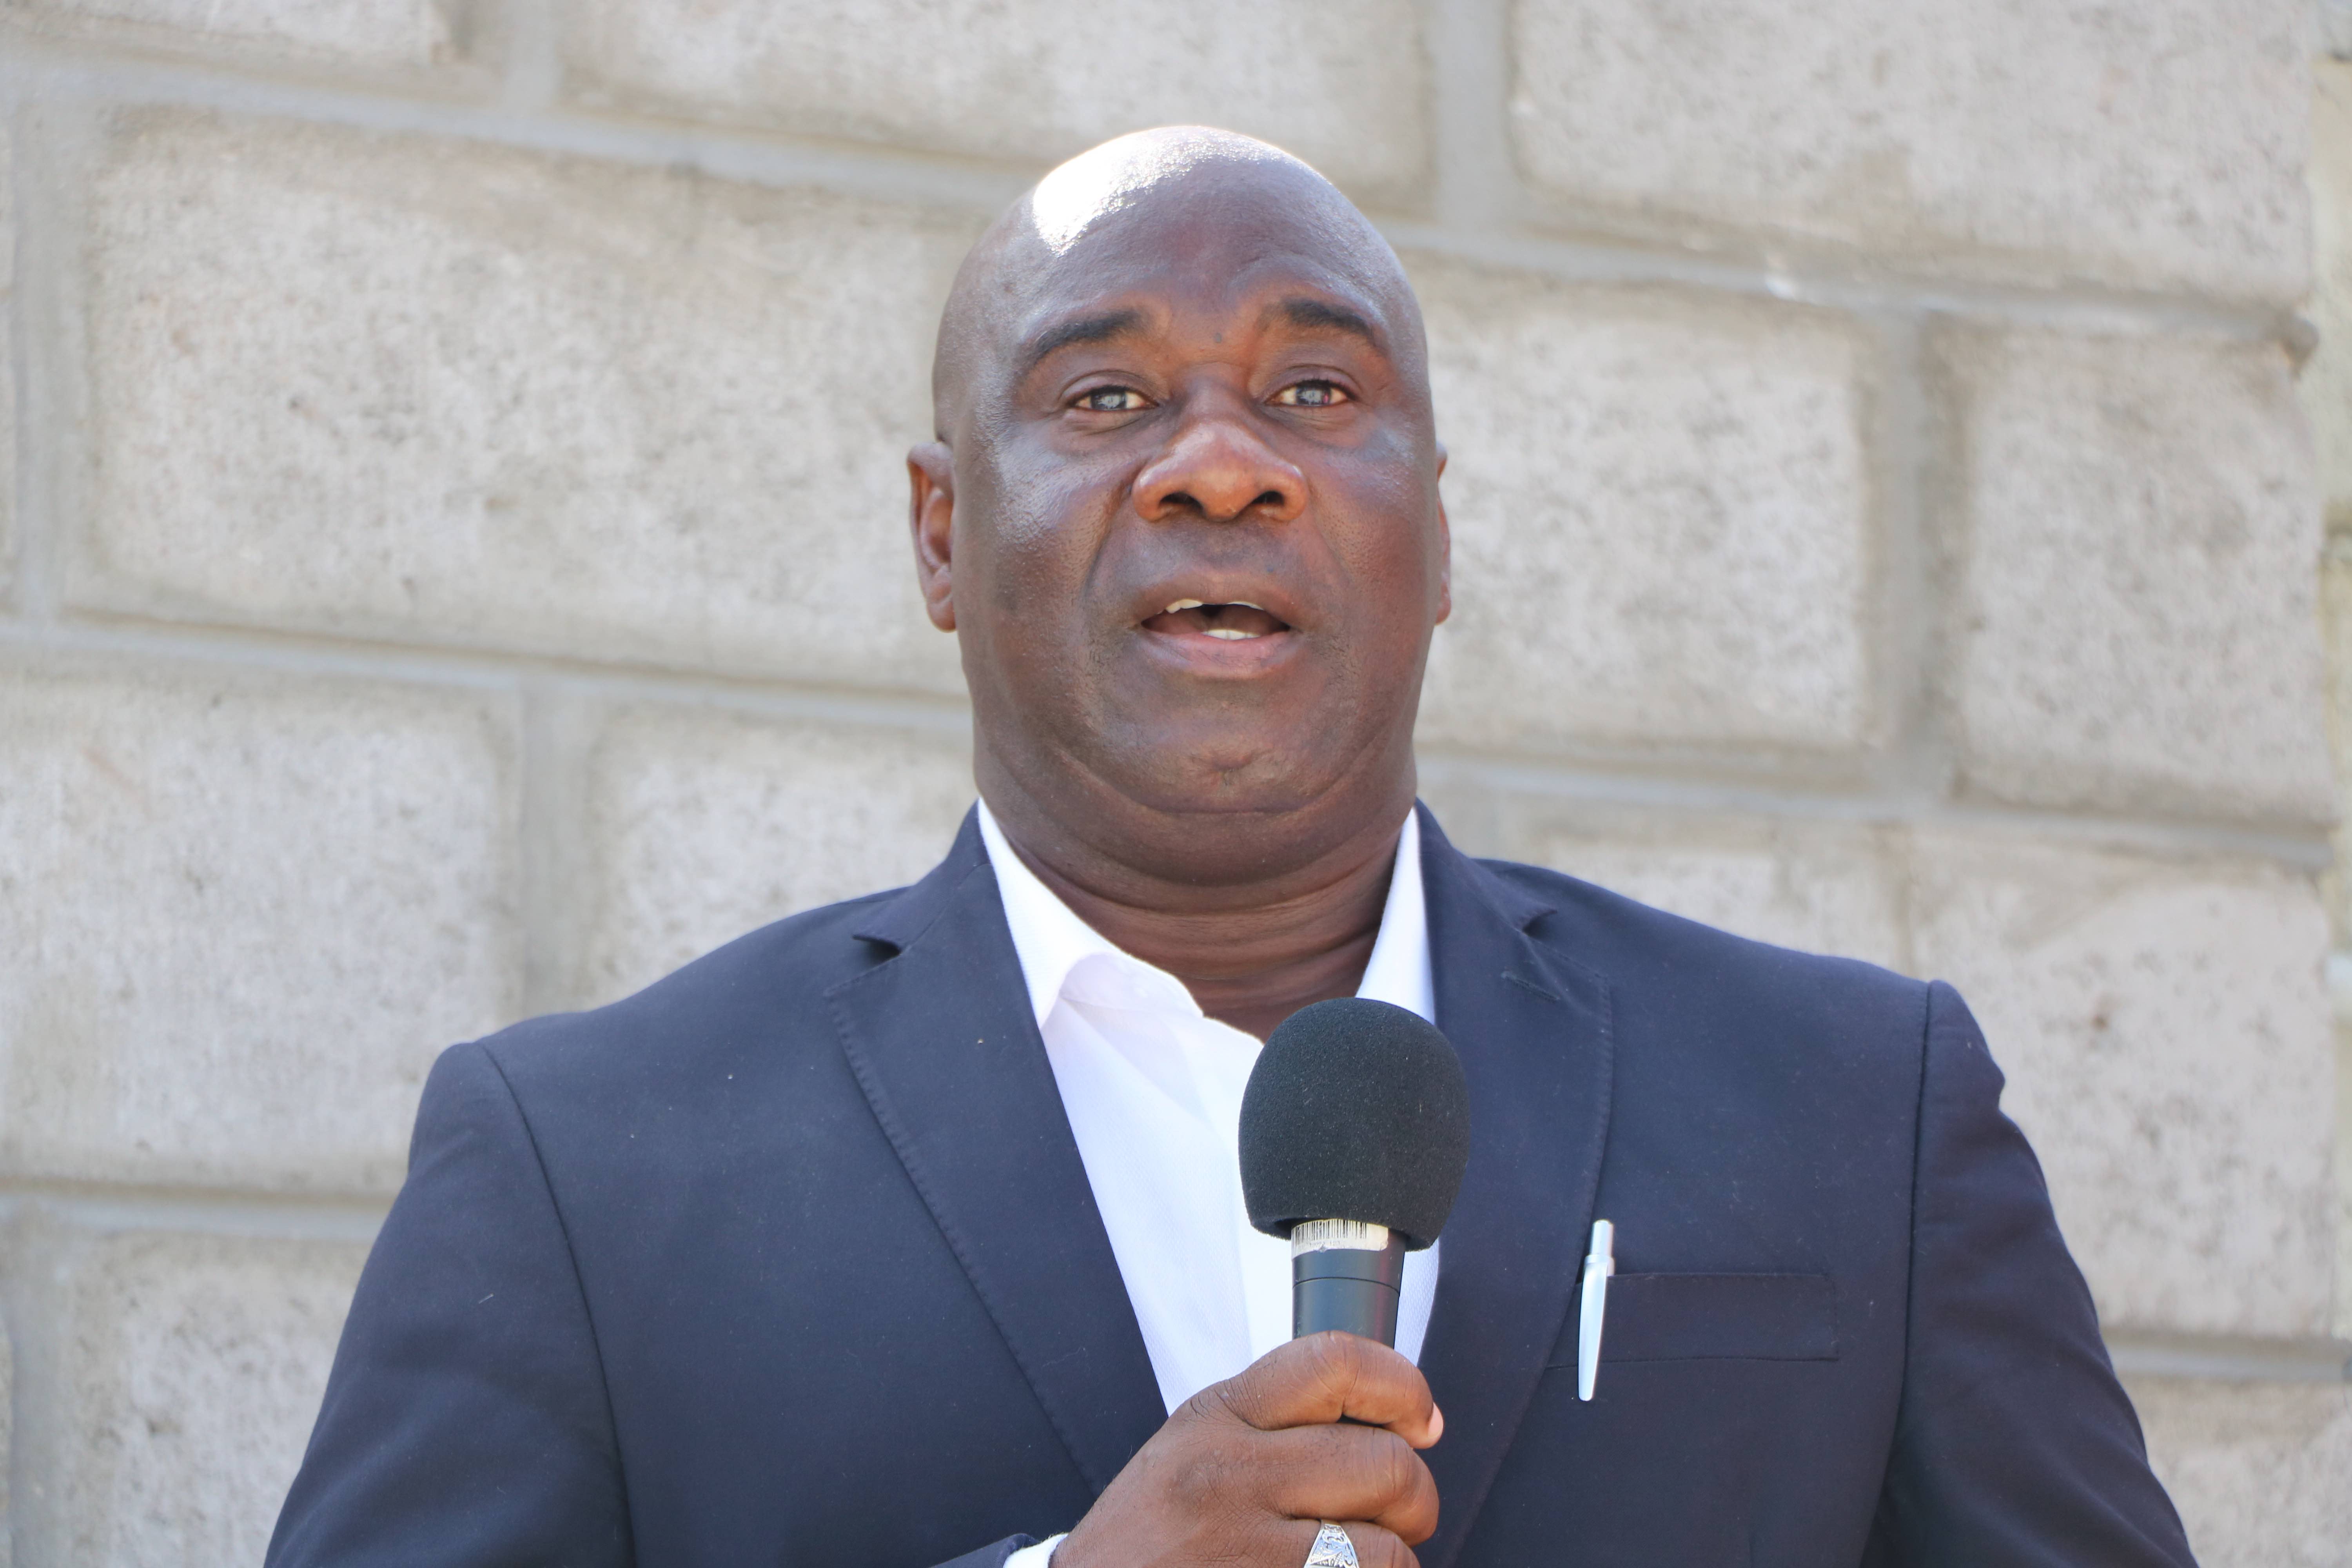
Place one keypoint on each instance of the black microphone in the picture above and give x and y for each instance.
(1355, 1131)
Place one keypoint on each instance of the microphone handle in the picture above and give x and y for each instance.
(1348, 1288)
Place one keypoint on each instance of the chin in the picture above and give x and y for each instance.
(1261, 783)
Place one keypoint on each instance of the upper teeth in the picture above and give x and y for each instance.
(1195, 603)
(1227, 634)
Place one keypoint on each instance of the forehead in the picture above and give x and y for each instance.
(1242, 254)
(1269, 295)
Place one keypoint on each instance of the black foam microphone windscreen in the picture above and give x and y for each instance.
(1356, 1111)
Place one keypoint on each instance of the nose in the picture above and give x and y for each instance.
(1217, 469)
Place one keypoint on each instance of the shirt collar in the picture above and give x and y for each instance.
(1398, 971)
(1051, 940)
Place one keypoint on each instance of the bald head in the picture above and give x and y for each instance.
(1180, 197)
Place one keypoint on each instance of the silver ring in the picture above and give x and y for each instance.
(1332, 1548)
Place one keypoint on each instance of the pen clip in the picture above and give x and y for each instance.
(1599, 1264)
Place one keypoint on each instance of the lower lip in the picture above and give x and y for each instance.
(1200, 654)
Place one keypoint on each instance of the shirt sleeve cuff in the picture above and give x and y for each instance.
(1037, 1556)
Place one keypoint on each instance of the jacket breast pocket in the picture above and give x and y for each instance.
(1715, 1317)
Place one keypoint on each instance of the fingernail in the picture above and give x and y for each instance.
(1436, 1423)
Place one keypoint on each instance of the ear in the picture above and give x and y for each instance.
(1444, 552)
(930, 516)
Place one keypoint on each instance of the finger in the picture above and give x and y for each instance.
(1375, 1547)
(1326, 1376)
(1346, 1472)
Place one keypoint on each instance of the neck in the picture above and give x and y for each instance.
(1250, 953)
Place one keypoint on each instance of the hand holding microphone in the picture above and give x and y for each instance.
(1354, 1137)
(1245, 1470)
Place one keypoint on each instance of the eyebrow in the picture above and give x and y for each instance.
(1096, 329)
(1311, 314)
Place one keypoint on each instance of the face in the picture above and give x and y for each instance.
(1186, 526)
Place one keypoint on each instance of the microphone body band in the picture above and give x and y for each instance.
(1355, 1288)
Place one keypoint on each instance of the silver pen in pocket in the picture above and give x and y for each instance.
(1599, 1264)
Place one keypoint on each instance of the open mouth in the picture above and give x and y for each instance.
(1238, 621)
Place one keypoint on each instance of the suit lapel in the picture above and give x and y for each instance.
(942, 1040)
(1533, 1028)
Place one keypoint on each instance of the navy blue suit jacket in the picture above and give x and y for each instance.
(791, 1258)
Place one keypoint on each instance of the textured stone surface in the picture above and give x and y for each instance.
(1027, 80)
(8, 366)
(2136, 624)
(2326, 380)
(2257, 1470)
(2326, 387)
(2335, 621)
(2342, 1195)
(1660, 513)
(707, 825)
(241, 918)
(2158, 144)
(2165, 1030)
(195, 1364)
(400, 34)
(1824, 888)
(426, 389)
(7, 1446)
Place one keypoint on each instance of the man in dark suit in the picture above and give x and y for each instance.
(890, 1234)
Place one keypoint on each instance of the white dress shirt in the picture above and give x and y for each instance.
(1152, 1087)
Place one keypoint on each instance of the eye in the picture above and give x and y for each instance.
(1112, 400)
(1311, 394)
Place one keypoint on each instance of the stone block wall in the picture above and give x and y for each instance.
(452, 566)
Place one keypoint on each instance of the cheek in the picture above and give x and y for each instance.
(1047, 527)
(1382, 521)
